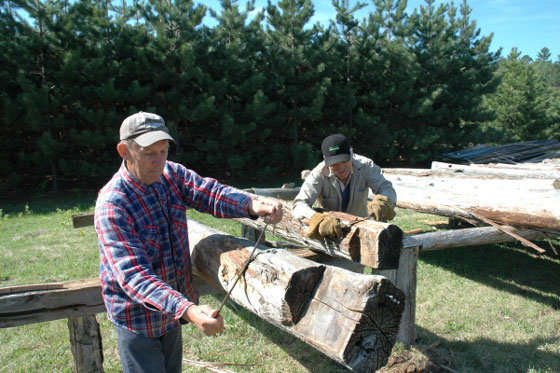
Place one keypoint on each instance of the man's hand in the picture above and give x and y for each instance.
(208, 320)
(323, 225)
(381, 209)
(271, 210)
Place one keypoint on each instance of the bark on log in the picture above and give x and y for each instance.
(470, 237)
(512, 204)
(370, 243)
(350, 317)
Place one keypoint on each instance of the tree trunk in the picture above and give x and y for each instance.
(368, 242)
(470, 237)
(521, 203)
(350, 317)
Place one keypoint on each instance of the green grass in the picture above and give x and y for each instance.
(493, 308)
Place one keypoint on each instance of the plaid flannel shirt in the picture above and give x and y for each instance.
(145, 264)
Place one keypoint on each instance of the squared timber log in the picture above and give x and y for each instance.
(371, 243)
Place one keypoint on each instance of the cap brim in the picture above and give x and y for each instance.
(149, 138)
(329, 161)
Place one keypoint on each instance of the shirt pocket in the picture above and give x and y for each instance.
(179, 216)
(150, 239)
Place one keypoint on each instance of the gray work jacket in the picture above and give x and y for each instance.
(322, 186)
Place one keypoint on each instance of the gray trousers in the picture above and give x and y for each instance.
(150, 355)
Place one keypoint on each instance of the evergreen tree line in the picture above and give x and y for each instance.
(255, 94)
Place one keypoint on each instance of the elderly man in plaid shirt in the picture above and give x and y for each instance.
(145, 266)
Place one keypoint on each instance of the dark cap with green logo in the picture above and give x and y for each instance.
(336, 148)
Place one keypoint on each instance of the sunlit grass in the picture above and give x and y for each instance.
(493, 308)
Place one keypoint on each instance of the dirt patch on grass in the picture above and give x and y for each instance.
(416, 359)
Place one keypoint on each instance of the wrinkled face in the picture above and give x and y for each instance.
(147, 163)
(342, 170)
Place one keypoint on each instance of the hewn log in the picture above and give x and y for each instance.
(455, 183)
(350, 317)
(86, 344)
(523, 170)
(287, 194)
(514, 204)
(82, 220)
(74, 299)
(29, 304)
(31, 287)
(470, 237)
(370, 243)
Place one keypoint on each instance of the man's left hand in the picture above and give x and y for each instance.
(269, 209)
(381, 209)
(206, 319)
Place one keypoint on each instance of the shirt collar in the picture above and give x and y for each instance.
(131, 180)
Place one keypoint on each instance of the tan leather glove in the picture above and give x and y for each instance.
(381, 209)
(323, 225)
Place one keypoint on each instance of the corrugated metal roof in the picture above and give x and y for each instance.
(519, 152)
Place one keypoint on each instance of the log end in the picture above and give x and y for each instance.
(206, 266)
(371, 342)
(301, 289)
(390, 250)
(380, 249)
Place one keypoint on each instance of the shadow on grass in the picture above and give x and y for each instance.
(509, 267)
(485, 355)
(307, 356)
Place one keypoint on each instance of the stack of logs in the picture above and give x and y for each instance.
(520, 201)
(353, 318)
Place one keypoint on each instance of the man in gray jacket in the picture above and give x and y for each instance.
(342, 183)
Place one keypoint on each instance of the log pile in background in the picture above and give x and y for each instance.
(468, 192)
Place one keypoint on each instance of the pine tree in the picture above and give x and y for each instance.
(339, 51)
(544, 54)
(456, 70)
(236, 108)
(41, 127)
(12, 52)
(387, 71)
(549, 73)
(519, 102)
(294, 81)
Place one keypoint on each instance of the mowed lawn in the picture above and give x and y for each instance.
(492, 308)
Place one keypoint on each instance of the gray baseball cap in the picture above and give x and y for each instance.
(145, 129)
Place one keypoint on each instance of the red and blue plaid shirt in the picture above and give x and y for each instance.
(145, 264)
